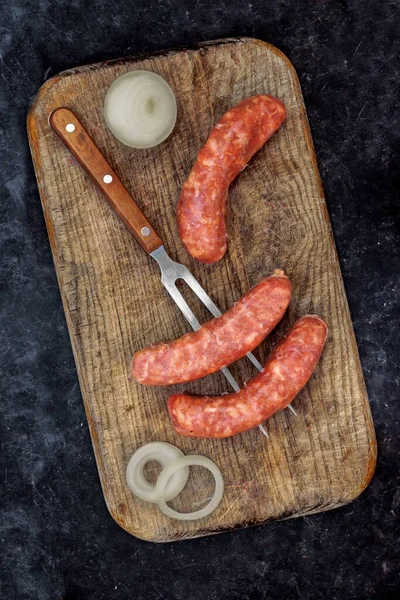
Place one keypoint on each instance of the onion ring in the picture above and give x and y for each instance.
(177, 466)
(163, 453)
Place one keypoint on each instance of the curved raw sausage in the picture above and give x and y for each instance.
(238, 135)
(286, 372)
(218, 342)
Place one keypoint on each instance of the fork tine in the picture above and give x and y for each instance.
(255, 362)
(182, 304)
(230, 378)
(200, 292)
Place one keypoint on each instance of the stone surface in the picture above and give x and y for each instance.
(57, 538)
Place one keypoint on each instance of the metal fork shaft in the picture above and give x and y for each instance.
(171, 271)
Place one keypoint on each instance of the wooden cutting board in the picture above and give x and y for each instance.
(115, 304)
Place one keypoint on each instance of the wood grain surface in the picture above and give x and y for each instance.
(115, 304)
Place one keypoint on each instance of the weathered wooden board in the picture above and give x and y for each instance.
(115, 304)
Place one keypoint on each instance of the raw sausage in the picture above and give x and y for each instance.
(286, 372)
(238, 135)
(218, 342)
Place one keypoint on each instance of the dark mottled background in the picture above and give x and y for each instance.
(57, 538)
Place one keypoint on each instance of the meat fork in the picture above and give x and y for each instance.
(71, 132)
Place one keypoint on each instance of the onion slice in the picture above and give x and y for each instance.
(140, 109)
(176, 467)
(163, 453)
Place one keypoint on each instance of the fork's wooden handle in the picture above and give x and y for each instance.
(84, 150)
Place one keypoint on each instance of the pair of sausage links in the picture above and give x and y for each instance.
(220, 341)
(239, 134)
(285, 373)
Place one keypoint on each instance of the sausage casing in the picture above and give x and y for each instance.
(218, 342)
(237, 136)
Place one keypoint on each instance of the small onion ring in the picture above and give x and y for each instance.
(176, 466)
(140, 109)
(164, 454)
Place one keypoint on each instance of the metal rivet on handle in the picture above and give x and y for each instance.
(145, 231)
(107, 179)
(70, 127)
